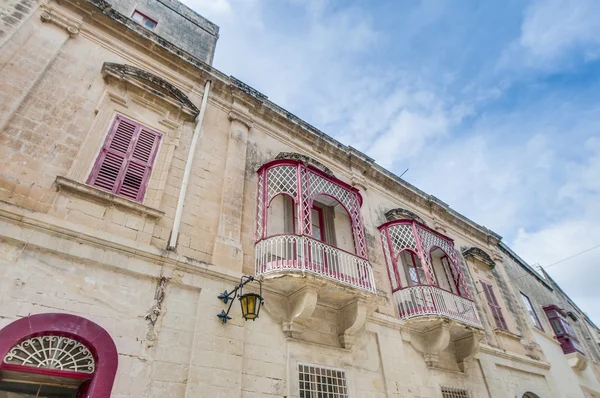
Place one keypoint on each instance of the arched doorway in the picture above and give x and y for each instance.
(530, 395)
(56, 355)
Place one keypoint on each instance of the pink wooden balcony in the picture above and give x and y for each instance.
(293, 253)
(418, 301)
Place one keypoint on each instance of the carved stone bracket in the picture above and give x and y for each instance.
(429, 342)
(438, 226)
(352, 320)
(246, 120)
(302, 304)
(53, 16)
(292, 311)
(577, 361)
(466, 348)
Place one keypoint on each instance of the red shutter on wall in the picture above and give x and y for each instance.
(494, 306)
(124, 164)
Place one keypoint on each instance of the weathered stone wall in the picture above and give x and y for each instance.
(12, 14)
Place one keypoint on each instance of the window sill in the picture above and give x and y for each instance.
(507, 334)
(67, 184)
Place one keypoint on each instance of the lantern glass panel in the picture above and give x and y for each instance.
(250, 305)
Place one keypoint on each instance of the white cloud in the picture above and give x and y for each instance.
(552, 30)
(575, 233)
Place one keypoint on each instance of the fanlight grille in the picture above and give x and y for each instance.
(52, 352)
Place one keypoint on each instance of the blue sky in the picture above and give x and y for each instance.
(493, 106)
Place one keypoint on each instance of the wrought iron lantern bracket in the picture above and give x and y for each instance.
(251, 302)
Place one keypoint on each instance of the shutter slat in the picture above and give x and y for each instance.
(144, 146)
(132, 182)
(108, 171)
(123, 135)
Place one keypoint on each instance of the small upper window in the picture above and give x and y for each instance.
(143, 20)
(531, 311)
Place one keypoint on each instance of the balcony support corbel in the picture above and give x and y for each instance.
(301, 306)
(466, 348)
(352, 320)
(430, 342)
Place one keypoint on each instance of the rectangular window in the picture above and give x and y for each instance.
(143, 20)
(494, 306)
(125, 161)
(530, 310)
(321, 382)
(448, 392)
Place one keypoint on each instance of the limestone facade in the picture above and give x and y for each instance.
(106, 263)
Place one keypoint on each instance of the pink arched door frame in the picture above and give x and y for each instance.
(87, 332)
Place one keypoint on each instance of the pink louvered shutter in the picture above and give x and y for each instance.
(124, 164)
(494, 306)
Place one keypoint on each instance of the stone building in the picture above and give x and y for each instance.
(138, 185)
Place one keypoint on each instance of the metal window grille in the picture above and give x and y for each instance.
(449, 392)
(52, 352)
(321, 382)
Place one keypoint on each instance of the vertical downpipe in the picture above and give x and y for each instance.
(188, 169)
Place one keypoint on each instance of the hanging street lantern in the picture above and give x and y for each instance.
(250, 302)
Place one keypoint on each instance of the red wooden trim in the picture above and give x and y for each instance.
(87, 332)
(394, 259)
(321, 223)
(45, 372)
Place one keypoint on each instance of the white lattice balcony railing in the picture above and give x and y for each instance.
(294, 253)
(419, 301)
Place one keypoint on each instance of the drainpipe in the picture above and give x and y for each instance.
(188, 169)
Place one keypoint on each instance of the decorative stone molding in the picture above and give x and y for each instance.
(154, 84)
(59, 19)
(439, 226)
(306, 160)
(67, 184)
(477, 253)
(401, 214)
(246, 120)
